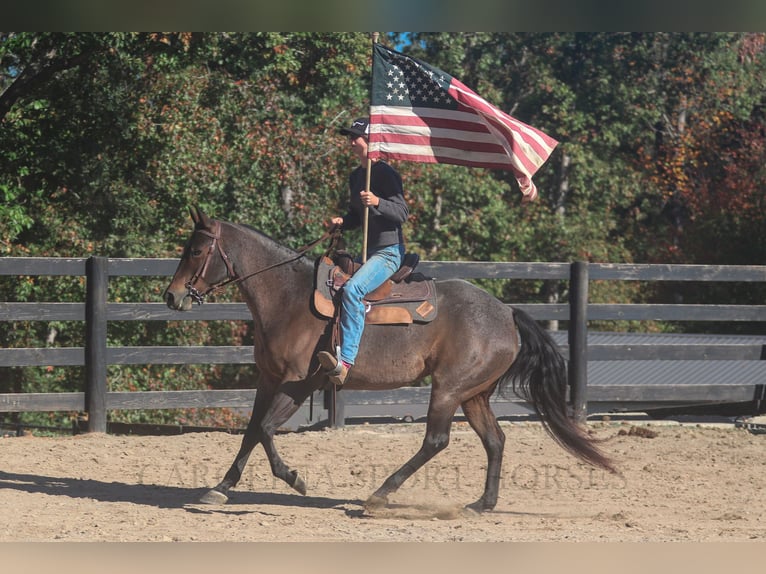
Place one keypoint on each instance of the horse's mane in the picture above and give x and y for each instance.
(249, 229)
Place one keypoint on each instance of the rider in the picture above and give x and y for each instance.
(385, 244)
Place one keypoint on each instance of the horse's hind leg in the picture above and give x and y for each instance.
(273, 406)
(483, 421)
(438, 427)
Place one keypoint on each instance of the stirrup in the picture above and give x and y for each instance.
(330, 364)
(335, 370)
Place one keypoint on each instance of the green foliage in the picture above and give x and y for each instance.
(107, 138)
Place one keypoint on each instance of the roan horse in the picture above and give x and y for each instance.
(474, 346)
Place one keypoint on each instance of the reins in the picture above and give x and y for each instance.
(231, 275)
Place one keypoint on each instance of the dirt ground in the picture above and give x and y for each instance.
(690, 482)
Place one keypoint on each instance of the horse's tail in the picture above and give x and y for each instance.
(539, 376)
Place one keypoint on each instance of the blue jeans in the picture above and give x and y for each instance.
(380, 265)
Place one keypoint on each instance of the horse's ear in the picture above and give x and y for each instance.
(203, 219)
(198, 217)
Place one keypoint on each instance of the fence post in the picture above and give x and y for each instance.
(96, 271)
(335, 403)
(578, 339)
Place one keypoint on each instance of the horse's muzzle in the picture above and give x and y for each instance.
(178, 301)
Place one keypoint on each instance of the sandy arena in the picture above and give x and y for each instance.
(690, 482)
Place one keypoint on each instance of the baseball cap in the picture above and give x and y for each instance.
(360, 127)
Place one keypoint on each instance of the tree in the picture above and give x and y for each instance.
(103, 154)
(107, 138)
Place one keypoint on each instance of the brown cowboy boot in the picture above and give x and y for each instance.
(336, 371)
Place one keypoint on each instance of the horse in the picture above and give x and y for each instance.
(473, 347)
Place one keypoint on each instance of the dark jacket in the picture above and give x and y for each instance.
(385, 220)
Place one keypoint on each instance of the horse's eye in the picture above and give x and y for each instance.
(196, 252)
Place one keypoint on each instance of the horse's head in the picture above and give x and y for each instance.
(203, 266)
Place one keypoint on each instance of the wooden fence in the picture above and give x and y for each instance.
(97, 312)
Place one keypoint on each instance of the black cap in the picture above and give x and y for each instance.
(360, 127)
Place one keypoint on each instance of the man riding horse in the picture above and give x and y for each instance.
(382, 198)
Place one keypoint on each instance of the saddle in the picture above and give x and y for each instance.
(406, 297)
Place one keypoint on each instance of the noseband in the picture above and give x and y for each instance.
(231, 275)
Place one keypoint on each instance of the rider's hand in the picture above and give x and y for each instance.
(369, 199)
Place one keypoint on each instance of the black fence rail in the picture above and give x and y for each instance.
(96, 311)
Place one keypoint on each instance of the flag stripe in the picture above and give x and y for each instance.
(444, 141)
(427, 120)
(414, 130)
(420, 113)
(445, 148)
(479, 103)
(518, 138)
(394, 129)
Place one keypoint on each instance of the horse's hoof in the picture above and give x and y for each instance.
(214, 497)
(298, 484)
(478, 507)
(375, 502)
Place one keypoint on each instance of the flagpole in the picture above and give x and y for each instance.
(369, 170)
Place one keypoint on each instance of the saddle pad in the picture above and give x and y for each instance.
(412, 300)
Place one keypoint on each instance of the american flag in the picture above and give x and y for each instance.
(420, 113)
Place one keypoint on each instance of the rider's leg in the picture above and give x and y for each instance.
(379, 267)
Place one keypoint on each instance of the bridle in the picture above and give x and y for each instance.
(215, 245)
(231, 275)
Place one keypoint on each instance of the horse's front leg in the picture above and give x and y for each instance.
(274, 404)
(253, 435)
(286, 402)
